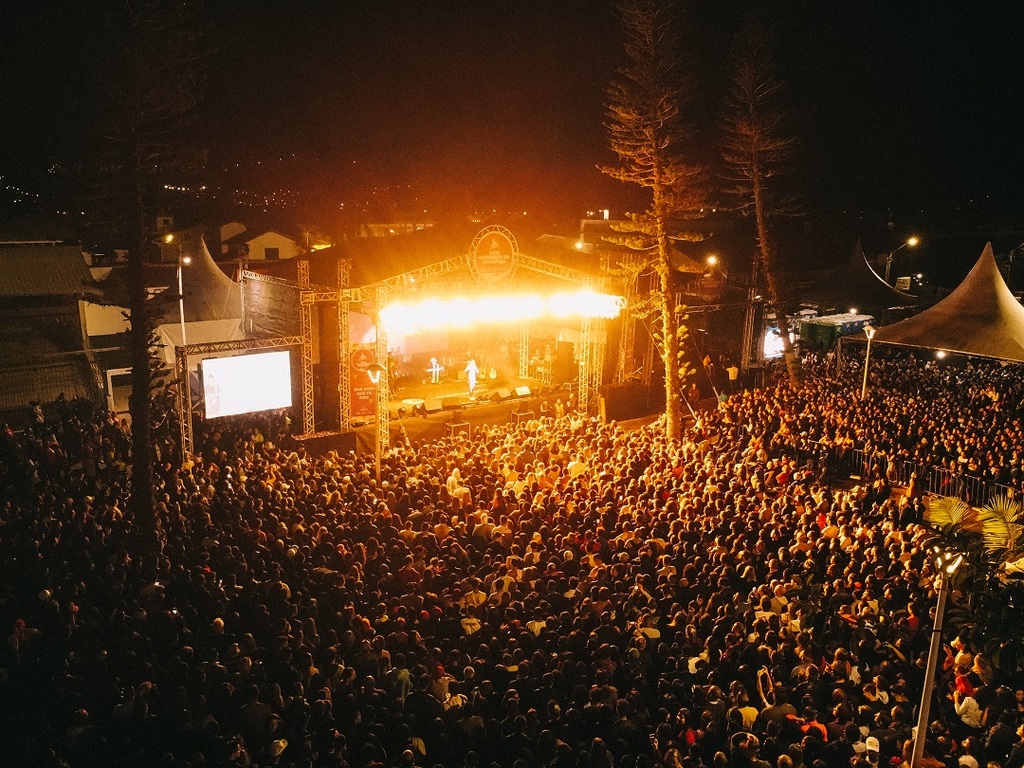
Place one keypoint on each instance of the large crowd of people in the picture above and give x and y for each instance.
(559, 593)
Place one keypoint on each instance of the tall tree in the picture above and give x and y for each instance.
(645, 130)
(151, 80)
(758, 153)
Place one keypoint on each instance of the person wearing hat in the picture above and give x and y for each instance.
(872, 749)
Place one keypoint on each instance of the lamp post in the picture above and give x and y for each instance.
(374, 371)
(947, 563)
(911, 241)
(183, 261)
(869, 331)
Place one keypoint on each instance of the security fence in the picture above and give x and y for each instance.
(839, 464)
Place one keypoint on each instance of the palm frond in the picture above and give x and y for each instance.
(945, 511)
(1002, 525)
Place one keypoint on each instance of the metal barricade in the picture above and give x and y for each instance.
(843, 463)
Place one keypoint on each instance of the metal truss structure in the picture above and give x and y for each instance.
(344, 344)
(524, 350)
(306, 320)
(182, 355)
(585, 353)
(591, 354)
(383, 419)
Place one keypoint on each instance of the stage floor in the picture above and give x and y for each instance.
(455, 394)
(449, 403)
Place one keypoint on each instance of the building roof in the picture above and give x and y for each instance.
(249, 235)
(43, 270)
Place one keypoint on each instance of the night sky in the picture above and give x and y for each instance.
(448, 105)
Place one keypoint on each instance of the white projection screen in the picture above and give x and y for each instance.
(247, 383)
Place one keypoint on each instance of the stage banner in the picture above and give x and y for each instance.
(364, 393)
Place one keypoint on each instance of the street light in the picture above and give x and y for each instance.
(374, 370)
(911, 241)
(869, 331)
(946, 562)
(183, 261)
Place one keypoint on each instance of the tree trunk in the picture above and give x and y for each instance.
(141, 501)
(670, 336)
(767, 253)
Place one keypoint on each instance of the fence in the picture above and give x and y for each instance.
(840, 463)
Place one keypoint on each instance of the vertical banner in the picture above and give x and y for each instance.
(364, 393)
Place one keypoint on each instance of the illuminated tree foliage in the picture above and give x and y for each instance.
(645, 131)
(758, 152)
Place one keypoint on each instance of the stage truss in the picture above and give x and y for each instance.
(591, 352)
(183, 353)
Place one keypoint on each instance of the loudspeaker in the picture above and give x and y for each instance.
(432, 406)
(452, 402)
(501, 394)
(522, 391)
(622, 402)
(319, 445)
(520, 416)
(455, 427)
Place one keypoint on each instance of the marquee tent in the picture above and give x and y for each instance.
(856, 284)
(981, 317)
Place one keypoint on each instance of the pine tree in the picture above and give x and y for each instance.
(151, 80)
(758, 153)
(645, 131)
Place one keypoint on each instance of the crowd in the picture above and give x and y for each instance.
(559, 593)
(964, 416)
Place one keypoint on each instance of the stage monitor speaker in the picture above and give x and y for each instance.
(452, 402)
(501, 394)
(432, 406)
(523, 391)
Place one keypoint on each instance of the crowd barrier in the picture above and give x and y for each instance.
(837, 464)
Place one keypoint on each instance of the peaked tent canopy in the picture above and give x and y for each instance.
(980, 317)
(209, 293)
(856, 284)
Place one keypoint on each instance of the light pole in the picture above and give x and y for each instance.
(911, 241)
(869, 331)
(183, 261)
(374, 371)
(947, 563)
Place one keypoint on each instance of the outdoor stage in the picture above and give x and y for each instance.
(425, 411)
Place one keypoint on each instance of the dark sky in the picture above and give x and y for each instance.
(462, 104)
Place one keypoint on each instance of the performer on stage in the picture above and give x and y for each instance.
(471, 374)
(435, 370)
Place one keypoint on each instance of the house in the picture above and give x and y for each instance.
(263, 245)
(230, 241)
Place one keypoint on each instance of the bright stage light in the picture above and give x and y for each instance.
(434, 314)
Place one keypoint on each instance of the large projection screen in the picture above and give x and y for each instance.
(247, 383)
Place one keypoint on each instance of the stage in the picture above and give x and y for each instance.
(425, 411)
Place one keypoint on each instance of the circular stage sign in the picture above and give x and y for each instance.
(493, 254)
(362, 359)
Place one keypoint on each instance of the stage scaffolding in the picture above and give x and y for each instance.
(590, 354)
(182, 354)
